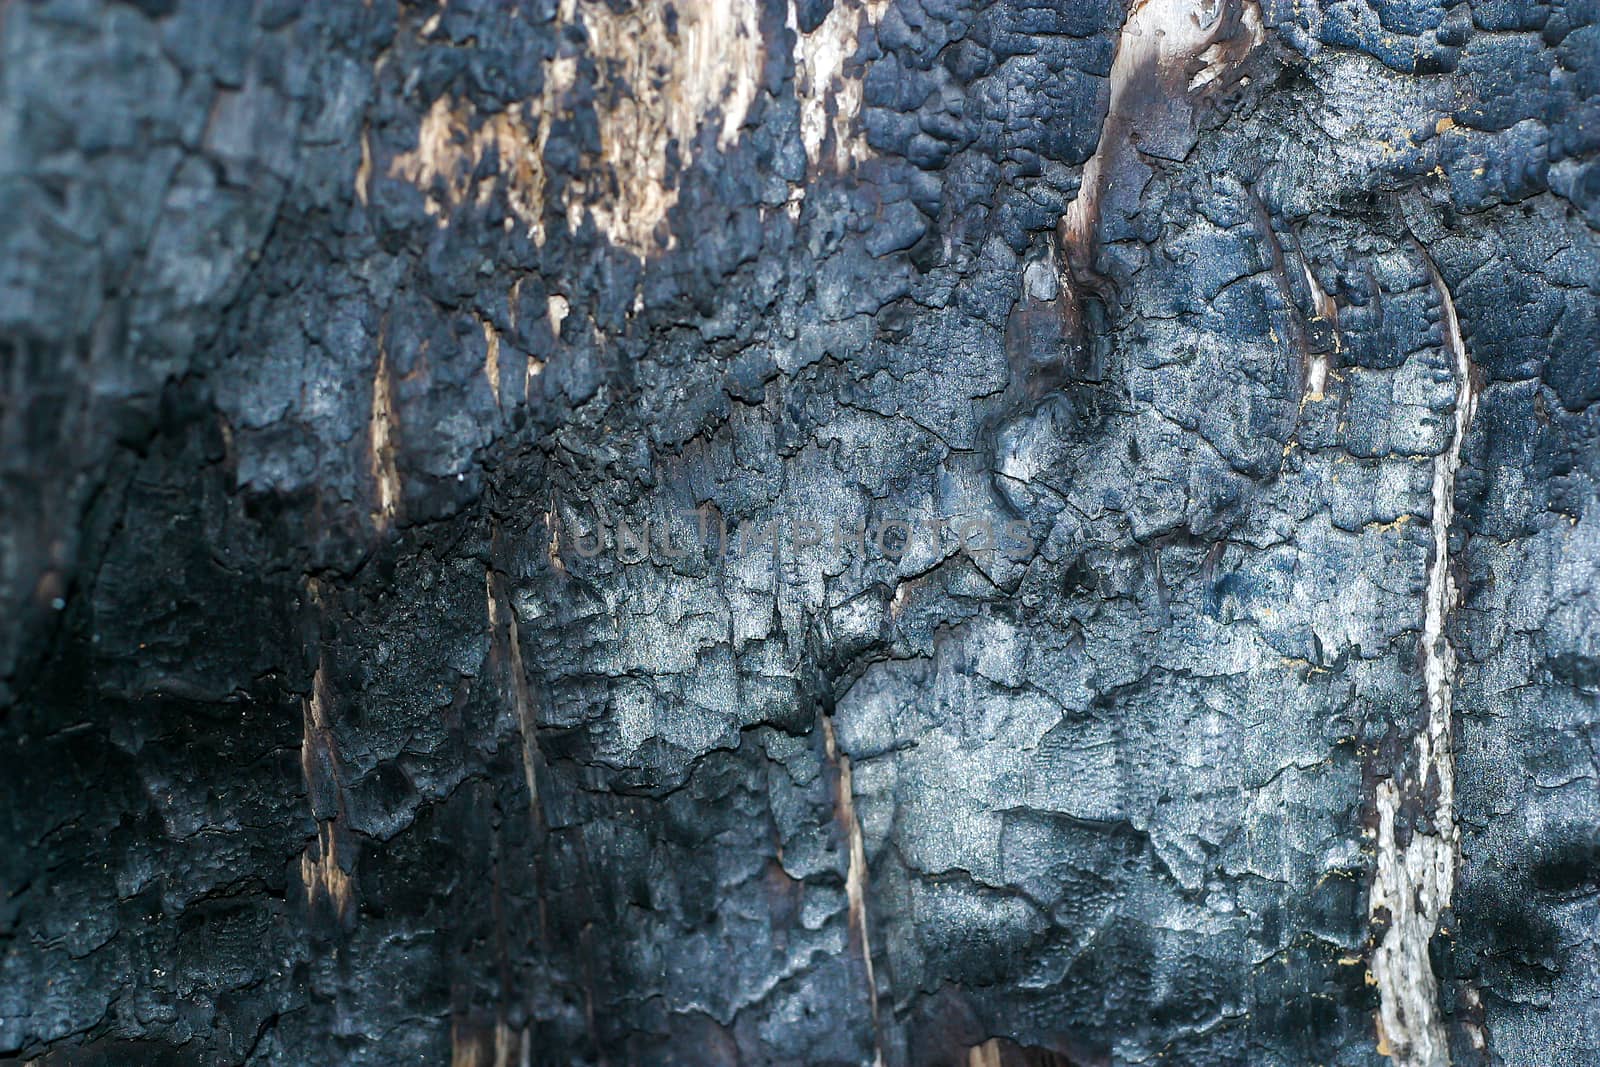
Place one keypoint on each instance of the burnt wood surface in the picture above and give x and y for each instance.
(838, 532)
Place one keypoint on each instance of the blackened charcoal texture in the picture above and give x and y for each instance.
(896, 532)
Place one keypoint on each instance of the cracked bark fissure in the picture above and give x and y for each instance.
(856, 876)
(888, 533)
(1414, 881)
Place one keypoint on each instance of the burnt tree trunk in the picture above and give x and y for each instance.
(737, 532)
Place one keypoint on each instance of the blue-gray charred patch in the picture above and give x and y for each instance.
(889, 532)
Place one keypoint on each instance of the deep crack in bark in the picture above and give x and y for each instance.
(1414, 881)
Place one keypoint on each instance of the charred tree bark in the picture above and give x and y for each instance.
(816, 532)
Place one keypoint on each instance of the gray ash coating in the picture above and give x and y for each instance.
(330, 331)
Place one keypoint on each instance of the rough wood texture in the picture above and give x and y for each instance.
(904, 532)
